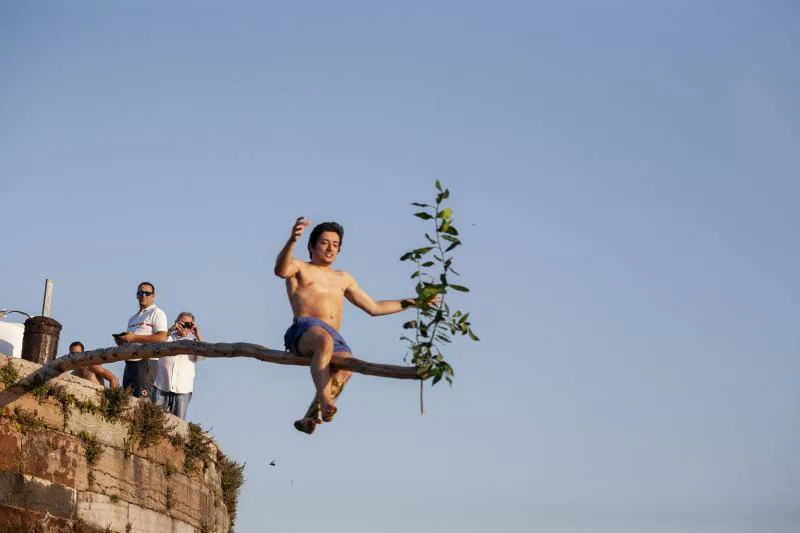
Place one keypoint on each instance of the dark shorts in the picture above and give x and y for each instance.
(301, 324)
(139, 376)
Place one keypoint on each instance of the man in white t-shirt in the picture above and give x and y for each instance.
(175, 374)
(148, 326)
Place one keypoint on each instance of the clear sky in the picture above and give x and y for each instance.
(625, 178)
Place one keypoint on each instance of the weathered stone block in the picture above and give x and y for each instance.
(108, 433)
(36, 494)
(10, 446)
(52, 455)
(14, 520)
(48, 411)
(101, 511)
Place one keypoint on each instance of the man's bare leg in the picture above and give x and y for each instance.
(339, 378)
(318, 344)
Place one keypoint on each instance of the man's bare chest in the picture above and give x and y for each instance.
(329, 283)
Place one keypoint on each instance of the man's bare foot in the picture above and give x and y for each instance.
(306, 425)
(327, 412)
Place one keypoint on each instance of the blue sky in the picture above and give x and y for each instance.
(625, 178)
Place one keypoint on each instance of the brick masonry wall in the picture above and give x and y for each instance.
(47, 485)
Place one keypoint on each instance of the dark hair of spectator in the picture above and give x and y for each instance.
(324, 226)
(76, 343)
(152, 287)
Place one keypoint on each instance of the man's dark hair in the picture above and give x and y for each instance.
(152, 287)
(324, 226)
(77, 343)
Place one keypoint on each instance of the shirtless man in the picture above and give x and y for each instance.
(94, 373)
(316, 293)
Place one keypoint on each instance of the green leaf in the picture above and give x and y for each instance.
(438, 185)
(436, 379)
(453, 270)
(423, 215)
(430, 239)
(445, 213)
(411, 324)
(415, 274)
(473, 336)
(450, 238)
(460, 288)
(419, 204)
(406, 256)
(422, 251)
(451, 230)
(427, 264)
(452, 246)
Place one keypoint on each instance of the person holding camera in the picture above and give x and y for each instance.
(175, 374)
(147, 326)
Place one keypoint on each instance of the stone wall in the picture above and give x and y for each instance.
(48, 483)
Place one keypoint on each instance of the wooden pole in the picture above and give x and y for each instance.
(47, 301)
(100, 356)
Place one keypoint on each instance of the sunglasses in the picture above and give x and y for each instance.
(144, 293)
(187, 325)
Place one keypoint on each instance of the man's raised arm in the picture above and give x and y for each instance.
(285, 266)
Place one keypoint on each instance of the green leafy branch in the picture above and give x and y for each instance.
(436, 323)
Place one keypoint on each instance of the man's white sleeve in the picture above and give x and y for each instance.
(159, 321)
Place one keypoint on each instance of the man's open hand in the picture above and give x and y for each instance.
(300, 226)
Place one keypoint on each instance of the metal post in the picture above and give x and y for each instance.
(48, 297)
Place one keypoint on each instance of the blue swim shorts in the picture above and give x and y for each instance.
(301, 324)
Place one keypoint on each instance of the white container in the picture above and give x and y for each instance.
(11, 338)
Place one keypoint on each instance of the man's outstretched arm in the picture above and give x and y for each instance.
(285, 266)
(362, 300)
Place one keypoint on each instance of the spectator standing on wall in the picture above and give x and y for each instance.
(148, 326)
(175, 375)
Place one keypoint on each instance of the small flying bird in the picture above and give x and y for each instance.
(272, 463)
